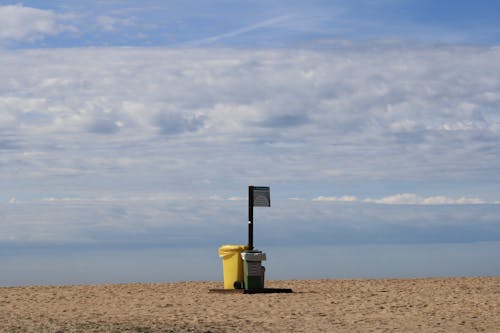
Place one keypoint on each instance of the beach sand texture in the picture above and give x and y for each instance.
(378, 305)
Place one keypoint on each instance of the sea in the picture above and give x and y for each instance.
(73, 265)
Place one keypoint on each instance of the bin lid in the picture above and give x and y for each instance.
(253, 256)
(231, 249)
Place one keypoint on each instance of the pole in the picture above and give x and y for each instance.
(250, 217)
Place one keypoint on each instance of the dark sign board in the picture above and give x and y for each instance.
(261, 196)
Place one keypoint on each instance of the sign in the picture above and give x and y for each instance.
(258, 196)
(261, 196)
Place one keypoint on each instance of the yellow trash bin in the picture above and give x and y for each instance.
(232, 264)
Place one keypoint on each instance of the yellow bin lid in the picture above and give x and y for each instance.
(229, 250)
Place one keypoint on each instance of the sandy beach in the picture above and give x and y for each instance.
(378, 305)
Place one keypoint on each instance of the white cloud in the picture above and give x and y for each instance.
(308, 115)
(20, 23)
(200, 222)
(407, 199)
(116, 124)
(112, 23)
(414, 199)
(216, 197)
(234, 198)
(117, 198)
(344, 198)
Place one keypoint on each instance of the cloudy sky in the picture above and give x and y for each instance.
(125, 122)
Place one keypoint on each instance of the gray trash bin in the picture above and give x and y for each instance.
(253, 271)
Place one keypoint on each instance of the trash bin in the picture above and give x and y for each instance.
(232, 265)
(253, 270)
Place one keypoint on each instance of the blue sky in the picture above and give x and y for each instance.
(254, 23)
(125, 122)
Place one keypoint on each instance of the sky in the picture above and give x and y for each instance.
(131, 124)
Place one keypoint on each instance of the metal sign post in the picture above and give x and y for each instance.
(250, 217)
(258, 196)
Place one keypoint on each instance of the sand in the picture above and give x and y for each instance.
(379, 305)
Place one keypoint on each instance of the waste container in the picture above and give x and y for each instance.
(253, 270)
(232, 265)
